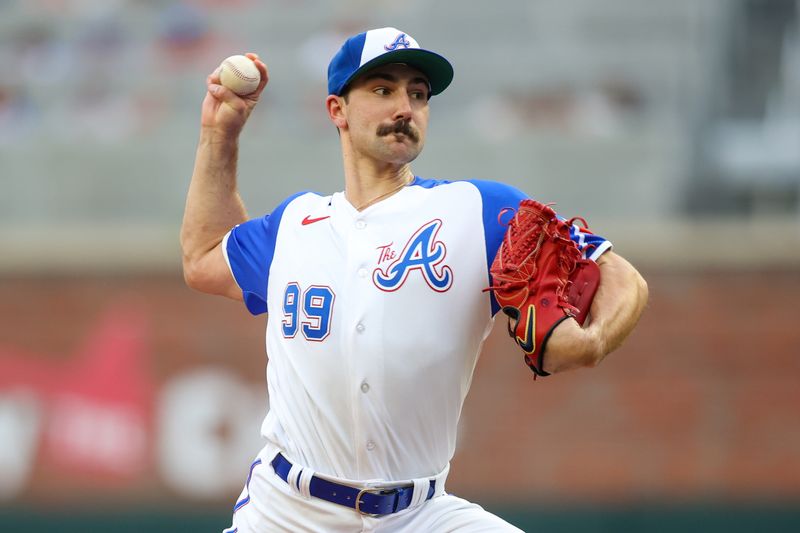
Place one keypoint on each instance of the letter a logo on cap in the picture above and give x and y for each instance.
(383, 46)
(399, 41)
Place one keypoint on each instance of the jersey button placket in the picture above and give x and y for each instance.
(364, 313)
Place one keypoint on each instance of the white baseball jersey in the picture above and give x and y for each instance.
(376, 320)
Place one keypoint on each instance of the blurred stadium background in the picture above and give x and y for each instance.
(129, 403)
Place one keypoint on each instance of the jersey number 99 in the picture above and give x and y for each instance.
(317, 306)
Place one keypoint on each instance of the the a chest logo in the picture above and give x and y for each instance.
(422, 253)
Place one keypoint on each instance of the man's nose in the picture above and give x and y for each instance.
(403, 107)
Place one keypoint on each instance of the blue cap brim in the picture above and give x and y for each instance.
(436, 68)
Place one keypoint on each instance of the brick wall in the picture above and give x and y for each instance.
(703, 401)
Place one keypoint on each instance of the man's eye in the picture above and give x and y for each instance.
(419, 95)
(383, 91)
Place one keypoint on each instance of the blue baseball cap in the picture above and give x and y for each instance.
(382, 46)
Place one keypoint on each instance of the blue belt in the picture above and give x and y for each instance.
(374, 502)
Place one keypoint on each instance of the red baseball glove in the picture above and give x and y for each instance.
(540, 278)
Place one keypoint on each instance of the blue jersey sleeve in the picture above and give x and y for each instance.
(591, 246)
(496, 197)
(249, 248)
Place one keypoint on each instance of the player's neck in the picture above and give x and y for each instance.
(366, 185)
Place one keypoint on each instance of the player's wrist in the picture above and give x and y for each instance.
(219, 137)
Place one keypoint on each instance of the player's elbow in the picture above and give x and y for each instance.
(194, 275)
(197, 275)
(190, 261)
(209, 273)
(205, 268)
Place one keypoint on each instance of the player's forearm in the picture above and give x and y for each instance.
(620, 300)
(616, 308)
(213, 204)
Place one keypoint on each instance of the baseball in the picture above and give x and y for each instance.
(239, 74)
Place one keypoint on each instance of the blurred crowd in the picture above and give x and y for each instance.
(692, 106)
(82, 70)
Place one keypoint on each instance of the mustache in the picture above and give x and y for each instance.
(401, 126)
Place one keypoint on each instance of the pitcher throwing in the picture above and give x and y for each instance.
(377, 302)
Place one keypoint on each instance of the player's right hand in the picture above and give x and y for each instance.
(224, 112)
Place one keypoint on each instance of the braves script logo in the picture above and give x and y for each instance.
(422, 252)
(399, 41)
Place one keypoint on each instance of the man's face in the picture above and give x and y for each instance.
(387, 113)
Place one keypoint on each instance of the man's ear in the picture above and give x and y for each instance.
(335, 105)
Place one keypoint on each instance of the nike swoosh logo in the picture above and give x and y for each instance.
(307, 221)
(528, 344)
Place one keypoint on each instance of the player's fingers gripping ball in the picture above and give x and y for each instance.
(540, 278)
(239, 74)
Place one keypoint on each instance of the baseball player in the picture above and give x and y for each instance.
(376, 305)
